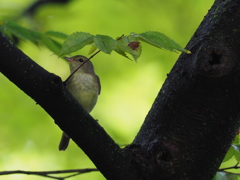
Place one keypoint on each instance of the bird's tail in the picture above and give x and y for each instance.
(64, 142)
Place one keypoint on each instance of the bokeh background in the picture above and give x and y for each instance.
(28, 136)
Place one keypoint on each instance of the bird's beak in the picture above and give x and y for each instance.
(68, 59)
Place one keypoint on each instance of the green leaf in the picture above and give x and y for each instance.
(236, 141)
(75, 42)
(119, 50)
(130, 45)
(160, 40)
(2, 28)
(56, 34)
(230, 154)
(92, 49)
(22, 32)
(237, 152)
(225, 176)
(105, 43)
(11, 28)
(52, 45)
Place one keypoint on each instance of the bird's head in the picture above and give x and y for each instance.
(77, 61)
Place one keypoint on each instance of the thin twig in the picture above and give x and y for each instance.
(65, 82)
(231, 167)
(47, 173)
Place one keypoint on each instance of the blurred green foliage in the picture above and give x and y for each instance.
(28, 136)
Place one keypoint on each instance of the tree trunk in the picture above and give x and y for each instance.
(196, 114)
(191, 123)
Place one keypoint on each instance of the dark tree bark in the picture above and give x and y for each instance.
(191, 123)
(49, 92)
(31, 10)
(196, 114)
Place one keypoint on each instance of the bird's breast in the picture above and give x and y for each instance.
(84, 87)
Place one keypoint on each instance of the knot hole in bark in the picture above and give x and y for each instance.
(215, 61)
(157, 160)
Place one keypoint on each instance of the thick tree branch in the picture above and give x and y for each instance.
(48, 91)
(191, 124)
(31, 10)
(196, 114)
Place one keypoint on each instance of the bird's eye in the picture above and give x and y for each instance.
(81, 60)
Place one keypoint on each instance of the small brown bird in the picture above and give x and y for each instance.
(84, 85)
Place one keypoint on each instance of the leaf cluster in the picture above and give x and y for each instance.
(232, 154)
(62, 44)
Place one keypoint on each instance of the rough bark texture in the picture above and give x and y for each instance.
(191, 123)
(48, 91)
(196, 114)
